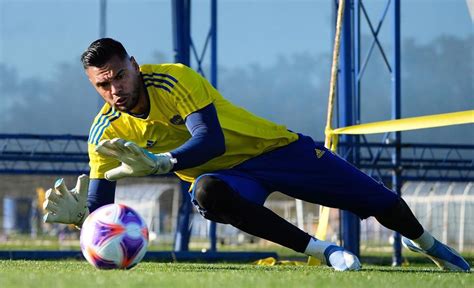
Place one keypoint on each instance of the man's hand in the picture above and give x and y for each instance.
(135, 161)
(67, 206)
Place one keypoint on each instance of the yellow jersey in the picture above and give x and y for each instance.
(175, 91)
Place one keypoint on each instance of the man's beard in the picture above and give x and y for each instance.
(134, 98)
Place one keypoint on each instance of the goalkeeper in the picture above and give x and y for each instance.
(166, 118)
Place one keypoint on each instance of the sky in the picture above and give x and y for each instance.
(36, 35)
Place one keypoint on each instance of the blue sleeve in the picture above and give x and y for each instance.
(101, 192)
(206, 143)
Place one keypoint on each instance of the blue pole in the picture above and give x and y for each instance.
(214, 43)
(213, 225)
(183, 231)
(181, 11)
(182, 31)
(357, 82)
(357, 48)
(396, 114)
(350, 223)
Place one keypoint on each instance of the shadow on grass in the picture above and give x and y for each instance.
(409, 270)
(386, 260)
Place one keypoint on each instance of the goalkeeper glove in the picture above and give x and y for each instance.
(67, 206)
(135, 160)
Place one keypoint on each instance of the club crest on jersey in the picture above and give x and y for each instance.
(150, 143)
(177, 120)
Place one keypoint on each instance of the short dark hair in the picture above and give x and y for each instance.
(101, 51)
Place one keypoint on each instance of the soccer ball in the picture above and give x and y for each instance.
(114, 237)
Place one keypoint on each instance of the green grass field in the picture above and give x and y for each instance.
(376, 272)
(75, 273)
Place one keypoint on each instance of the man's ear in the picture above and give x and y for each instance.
(134, 63)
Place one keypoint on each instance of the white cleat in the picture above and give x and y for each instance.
(341, 260)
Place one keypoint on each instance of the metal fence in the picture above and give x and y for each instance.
(445, 209)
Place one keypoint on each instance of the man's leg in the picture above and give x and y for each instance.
(325, 178)
(217, 201)
(401, 219)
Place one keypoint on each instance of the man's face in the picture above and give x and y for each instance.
(118, 82)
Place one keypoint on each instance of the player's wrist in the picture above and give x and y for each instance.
(171, 159)
(164, 163)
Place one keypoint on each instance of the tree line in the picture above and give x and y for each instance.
(437, 77)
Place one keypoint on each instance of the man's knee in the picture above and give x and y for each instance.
(213, 194)
(399, 207)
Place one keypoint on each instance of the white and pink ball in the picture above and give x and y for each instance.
(114, 237)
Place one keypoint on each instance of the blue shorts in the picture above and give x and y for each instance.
(312, 173)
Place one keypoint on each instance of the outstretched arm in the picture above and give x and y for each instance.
(206, 143)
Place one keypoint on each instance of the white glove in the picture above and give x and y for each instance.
(67, 206)
(136, 161)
